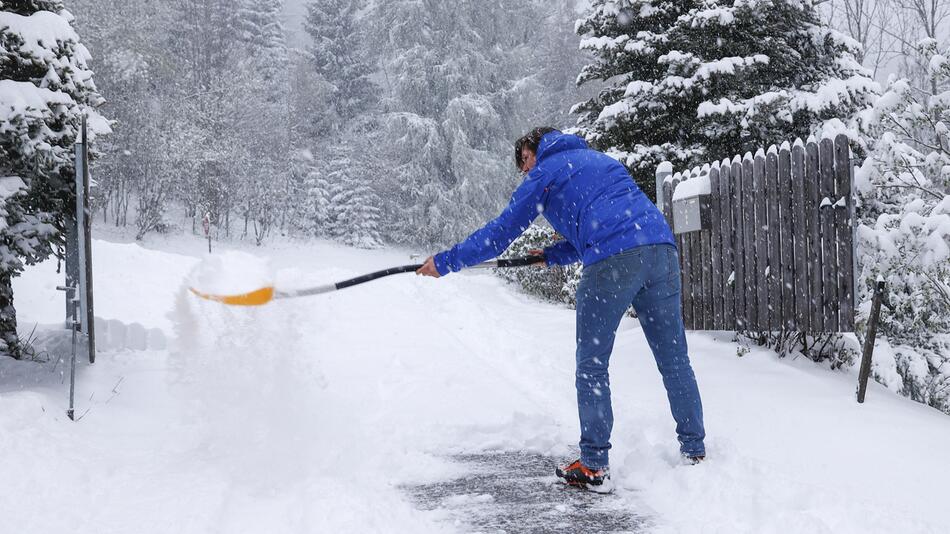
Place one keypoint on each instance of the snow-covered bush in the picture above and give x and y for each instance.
(556, 283)
(904, 230)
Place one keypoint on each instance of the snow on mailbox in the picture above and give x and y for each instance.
(691, 205)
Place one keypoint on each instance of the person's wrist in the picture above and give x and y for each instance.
(440, 264)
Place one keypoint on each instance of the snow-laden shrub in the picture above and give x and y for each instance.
(903, 235)
(557, 283)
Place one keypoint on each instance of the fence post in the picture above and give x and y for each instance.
(663, 170)
(869, 340)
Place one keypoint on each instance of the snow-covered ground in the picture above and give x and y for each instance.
(312, 415)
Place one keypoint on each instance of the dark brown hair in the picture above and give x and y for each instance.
(530, 140)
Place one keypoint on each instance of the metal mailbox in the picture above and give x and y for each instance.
(691, 205)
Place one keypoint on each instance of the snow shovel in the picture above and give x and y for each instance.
(264, 295)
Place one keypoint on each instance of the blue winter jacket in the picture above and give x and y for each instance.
(587, 196)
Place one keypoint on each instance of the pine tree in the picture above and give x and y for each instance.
(352, 207)
(262, 31)
(339, 57)
(308, 205)
(691, 82)
(45, 88)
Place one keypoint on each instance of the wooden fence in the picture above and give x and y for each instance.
(777, 249)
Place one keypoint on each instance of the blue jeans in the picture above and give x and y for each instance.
(648, 277)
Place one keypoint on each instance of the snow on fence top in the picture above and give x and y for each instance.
(666, 167)
(692, 187)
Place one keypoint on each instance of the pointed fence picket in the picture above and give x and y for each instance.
(778, 252)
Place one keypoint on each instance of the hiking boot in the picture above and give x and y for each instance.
(693, 460)
(576, 474)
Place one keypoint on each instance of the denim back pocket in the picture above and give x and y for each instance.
(671, 256)
(621, 266)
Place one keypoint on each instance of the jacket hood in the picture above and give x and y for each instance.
(554, 142)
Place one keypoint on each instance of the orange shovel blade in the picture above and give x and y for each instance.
(257, 297)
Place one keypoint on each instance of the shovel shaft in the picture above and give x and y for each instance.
(502, 264)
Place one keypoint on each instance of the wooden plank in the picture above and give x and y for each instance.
(844, 221)
(813, 255)
(686, 277)
(761, 243)
(706, 301)
(715, 249)
(739, 258)
(728, 245)
(696, 279)
(748, 244)
(787, 247)
(681, 245)
(829, 237)
(698, 262)
(774, 238)
(800, 237)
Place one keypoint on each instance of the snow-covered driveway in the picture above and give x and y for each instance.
(335, 413)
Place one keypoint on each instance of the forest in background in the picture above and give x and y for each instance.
(392, 122)
(391, 125)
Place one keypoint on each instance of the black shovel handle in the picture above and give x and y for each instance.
(518, 262)
(511, 262)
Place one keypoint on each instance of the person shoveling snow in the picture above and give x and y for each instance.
(629, 257)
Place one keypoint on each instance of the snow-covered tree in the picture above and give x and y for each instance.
(352, 206)
(263, 126)
(904, 235)
(125, 37)
(339, 56)
(45, 88)
(262, 31)
(459, 87)
(308, 210)
(690, 82)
